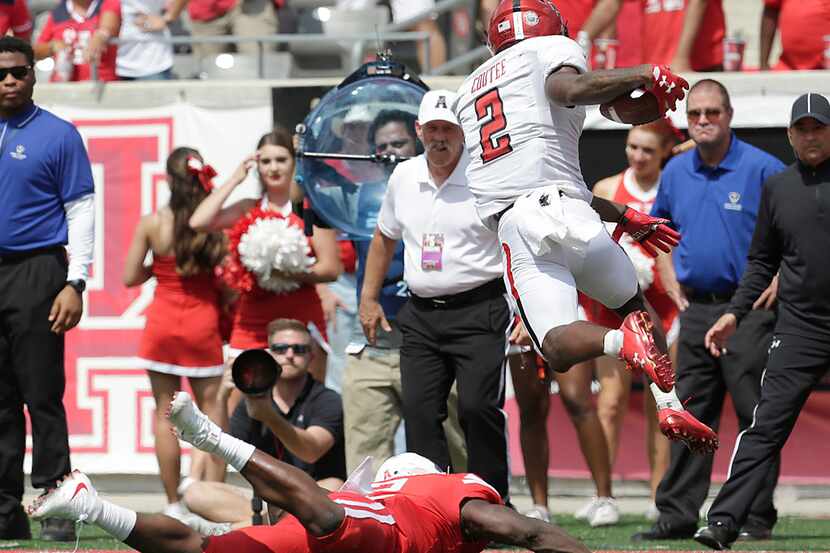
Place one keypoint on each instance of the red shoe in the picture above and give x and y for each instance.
(683, 426)
(639, 352)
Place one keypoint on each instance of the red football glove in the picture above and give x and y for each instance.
(650, 232)
(668, 87)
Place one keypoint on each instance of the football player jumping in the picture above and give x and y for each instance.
(522, 113)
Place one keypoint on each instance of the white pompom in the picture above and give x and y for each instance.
(271, 244)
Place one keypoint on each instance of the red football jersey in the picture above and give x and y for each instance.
(427, 509)
(67, 26)
(409, 514)
(15, 16)
(663, 24)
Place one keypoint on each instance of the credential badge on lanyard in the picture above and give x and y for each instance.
(432, 249)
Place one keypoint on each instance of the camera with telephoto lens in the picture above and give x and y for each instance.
(255, 372)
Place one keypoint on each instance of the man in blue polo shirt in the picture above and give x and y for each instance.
(46, 202)
(712, 194)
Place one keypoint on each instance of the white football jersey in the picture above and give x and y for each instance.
(518, 139)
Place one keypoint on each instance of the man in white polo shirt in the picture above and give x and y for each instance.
(455, 322)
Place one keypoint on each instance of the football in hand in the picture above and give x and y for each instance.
(634, 108)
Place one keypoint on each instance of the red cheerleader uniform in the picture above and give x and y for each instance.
(627, 193)
(181, 334)
(259, 307)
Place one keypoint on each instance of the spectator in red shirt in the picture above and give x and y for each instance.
(15, 17)
(231, 17)
(803, 24)
(685, 34)
(82, 28)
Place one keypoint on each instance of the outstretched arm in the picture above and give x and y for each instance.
(568, 87)
(481, 520)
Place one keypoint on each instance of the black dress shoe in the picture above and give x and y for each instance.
(716, 535)
(57, 529)
(754, 532)
(15, 525)
(666, 531)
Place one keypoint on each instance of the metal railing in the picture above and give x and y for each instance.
(358, 42)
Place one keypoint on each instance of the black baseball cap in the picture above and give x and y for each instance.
(811, 105)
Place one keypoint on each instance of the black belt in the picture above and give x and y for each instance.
(487, 291)
(14, 257)
(501, 213)
(699, 296)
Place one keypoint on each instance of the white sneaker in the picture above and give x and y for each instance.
(652, 513)
(74, 499)
(191, 425)
(585, 512)
(204, 526)
(539, 512)
(177, 510)
(606, 513)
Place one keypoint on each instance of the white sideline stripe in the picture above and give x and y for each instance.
(372, 506)
(741, 434)
(357, 513)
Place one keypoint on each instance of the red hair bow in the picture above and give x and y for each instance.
(202, 171)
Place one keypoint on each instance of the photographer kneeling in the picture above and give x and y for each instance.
(297, 420)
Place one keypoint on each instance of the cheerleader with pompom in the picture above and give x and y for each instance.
(271, 264)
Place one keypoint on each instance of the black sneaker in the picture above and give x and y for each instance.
(716, 535)
(15, 525)
(57, 529)
(665, 531)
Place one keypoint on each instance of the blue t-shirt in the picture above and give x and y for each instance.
(394, 292)
(43, 165)
(714, 209)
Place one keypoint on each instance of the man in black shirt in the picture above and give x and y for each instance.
(792, 238)
(300, 423)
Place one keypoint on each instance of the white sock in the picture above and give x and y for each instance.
(115, 520)
(666, 400)
(612, 343)
(234, 451)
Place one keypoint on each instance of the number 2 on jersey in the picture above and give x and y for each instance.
(489, 106)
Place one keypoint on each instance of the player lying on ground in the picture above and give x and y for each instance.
(411, 508)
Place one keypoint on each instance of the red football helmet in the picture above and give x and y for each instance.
(515, 20)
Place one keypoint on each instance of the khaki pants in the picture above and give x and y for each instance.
(372, 409)
(247, 18)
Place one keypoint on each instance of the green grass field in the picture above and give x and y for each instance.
(791, 534)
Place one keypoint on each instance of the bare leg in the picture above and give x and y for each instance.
(202, 465)
(295, 491)
(437, 45)
(162, 534)
(168, 452)
(612, 400)
(533, 399)
(575, 391)
(568, 345)
(218, 502)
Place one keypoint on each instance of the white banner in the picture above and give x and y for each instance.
(108, 401)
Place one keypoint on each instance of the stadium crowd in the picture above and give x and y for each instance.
(470, 266)
(689, 35)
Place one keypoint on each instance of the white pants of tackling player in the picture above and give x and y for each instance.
(542, 278)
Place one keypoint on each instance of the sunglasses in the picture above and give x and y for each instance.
(19, 72)
(712, 114)
(282, 349)
(396, 144)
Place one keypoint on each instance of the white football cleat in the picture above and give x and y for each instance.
(191, 425)
(74, 499)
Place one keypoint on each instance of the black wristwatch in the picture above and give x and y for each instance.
(78, 284)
